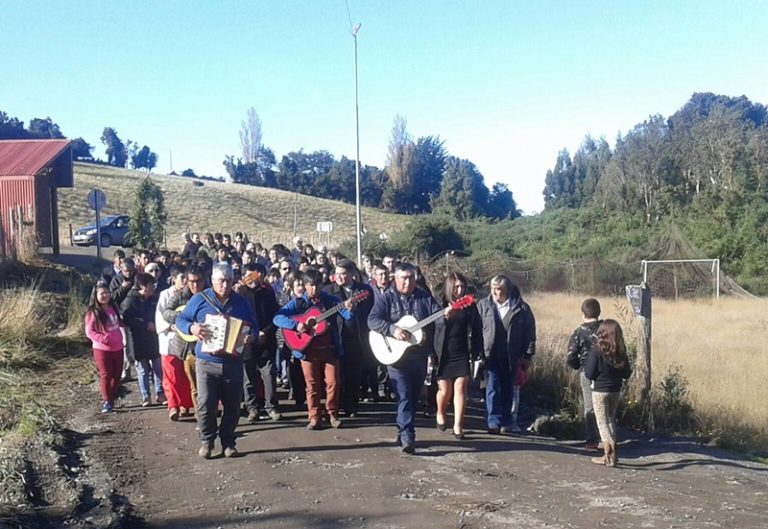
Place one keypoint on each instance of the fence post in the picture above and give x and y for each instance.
(639, 297)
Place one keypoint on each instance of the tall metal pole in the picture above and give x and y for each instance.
(358, 215)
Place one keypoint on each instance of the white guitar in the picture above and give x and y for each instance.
(389, 350)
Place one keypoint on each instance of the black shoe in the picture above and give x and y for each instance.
(458, 436)
(440, 427)
(408, 448)
(494, 431)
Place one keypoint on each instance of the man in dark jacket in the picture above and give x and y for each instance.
(121, 284)
(354, 335)
(578, 347)
(138, 311)
(509, 339)
(259, 357)
(407, 374)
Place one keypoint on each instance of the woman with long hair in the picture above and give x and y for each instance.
(102, 326)
(456, 340)
(607, 366)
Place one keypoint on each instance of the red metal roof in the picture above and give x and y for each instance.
(27, 157)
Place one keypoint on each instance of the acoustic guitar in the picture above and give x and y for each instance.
(317, 321)
(388, 349)
(247, 278)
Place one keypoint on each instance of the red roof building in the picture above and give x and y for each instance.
(30, 173)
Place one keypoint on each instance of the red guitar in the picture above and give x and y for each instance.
(316, 321)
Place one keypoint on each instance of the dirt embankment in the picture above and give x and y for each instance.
(143, 471)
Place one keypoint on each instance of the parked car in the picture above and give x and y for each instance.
(114, 229)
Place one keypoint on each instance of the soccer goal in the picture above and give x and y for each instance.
(683, 278)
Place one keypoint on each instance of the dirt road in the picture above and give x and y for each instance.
(147, 469)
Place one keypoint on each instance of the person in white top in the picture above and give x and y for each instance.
(175, 382)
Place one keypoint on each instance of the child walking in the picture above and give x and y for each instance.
(607, 367)
(102, 326)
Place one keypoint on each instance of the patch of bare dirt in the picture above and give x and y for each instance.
(354, 477)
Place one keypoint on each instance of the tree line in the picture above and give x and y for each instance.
(704, 169)
(419, 176)
(119, 153)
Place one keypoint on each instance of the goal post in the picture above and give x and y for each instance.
(682, 278)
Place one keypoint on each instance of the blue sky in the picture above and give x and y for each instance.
(506, 84)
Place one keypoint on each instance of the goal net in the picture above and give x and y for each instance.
(683, 278)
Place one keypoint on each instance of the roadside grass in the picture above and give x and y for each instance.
(265, 214)
(709, 366)
(43, 358)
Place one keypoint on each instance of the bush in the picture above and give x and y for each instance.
(673, 411)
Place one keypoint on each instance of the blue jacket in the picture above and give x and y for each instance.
(389, 307)
(196, 309)
(299, 306)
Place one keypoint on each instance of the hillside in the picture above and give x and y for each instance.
(265, 214)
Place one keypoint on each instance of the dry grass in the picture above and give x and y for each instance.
(25, 319)
(719, 347)
(265, 214)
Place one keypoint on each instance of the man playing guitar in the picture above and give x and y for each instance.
(407, 374)
(321, 356)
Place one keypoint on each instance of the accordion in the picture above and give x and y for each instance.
(225, 333)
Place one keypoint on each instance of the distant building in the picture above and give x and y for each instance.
(30, 173)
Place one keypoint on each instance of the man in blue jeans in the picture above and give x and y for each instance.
(219, 375)
(406, 376)
(509, 338)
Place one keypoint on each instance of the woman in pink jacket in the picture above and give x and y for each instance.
(102, 326)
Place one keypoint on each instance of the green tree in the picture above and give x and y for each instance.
(81, 150)
(11, 128)
(189, 173)
(463, 194)
(501, 203)
(144, 158)
(116, 152)
(148, 216)
(428, 165)
(44, 128)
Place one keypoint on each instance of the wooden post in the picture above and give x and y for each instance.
(639, 297)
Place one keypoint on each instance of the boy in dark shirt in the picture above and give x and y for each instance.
(578, 348)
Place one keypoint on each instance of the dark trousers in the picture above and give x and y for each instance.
(296, 379)
(406, 377)
(260, 371)
(218, 382)
(351, 375)
(369, 381)
(498, 392)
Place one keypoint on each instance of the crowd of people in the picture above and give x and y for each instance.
(311, 317)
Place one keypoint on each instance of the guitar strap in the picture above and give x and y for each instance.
(212, 304)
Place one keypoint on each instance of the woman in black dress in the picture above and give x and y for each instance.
(452, 346)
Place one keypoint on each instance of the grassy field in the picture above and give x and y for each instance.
(719, 347)
(266, 215)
